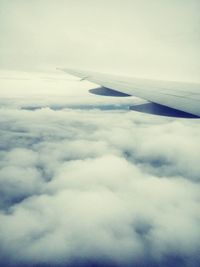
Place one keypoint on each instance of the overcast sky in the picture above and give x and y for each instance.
(148, 38)
(84, 181)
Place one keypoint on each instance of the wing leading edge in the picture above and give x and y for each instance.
(177, 95)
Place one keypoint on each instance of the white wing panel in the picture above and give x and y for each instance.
(177, 95)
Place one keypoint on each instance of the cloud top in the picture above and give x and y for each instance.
(105, 187)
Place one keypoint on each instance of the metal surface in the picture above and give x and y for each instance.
(177, 95)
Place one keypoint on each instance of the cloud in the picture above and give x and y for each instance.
(87, 186)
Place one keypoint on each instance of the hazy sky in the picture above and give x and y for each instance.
(148, 38)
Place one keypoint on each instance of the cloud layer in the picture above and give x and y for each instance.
(94, 187)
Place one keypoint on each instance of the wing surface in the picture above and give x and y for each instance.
(177, 95)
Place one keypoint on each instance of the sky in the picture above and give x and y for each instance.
(148, 38)
(85, 181)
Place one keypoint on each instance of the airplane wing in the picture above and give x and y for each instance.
(176, 95)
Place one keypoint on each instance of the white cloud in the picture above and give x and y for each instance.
(84, 186)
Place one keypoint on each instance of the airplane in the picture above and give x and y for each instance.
(166, 98)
